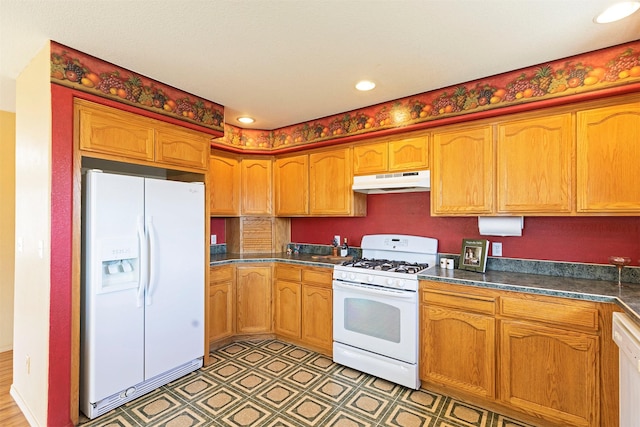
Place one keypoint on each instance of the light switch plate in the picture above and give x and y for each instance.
(496, 248)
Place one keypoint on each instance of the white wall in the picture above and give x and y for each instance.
(7, 225)
(33, 215)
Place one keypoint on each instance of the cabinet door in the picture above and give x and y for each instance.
(462, 172)
(181, 147)
(534, 165)
(458, 349)
(221, 310)
(224, 185)
(608, 154)
(330, 180)
(409, 154)
(256, 186)
(552, 373)
(110, 131)
(317, 317)
(286, 305)
(253, 299)
(291, 185)
(371, 158)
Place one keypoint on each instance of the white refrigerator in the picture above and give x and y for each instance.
(142, 317)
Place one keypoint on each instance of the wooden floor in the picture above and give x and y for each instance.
(10, 414)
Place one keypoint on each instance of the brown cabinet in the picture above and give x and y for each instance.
(291, 185)
(303, 306)
(462, 171)
(330, 181)
(224, 185)
(549, 361)
(256, 177)
(221, 303)
(397, 155)
(459, 341)
(253, 299)
(534, 162)
(608, 155)
(119, 135)
(317, 309)
(287, 300)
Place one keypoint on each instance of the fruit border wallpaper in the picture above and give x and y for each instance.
(605, 71)
(600, 70)
(80, 71)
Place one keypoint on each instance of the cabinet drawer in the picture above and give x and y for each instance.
(477, 303)
(566, 315)
(318, 276)
(288, 272)
(221, 274)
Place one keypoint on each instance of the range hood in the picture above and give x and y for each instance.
(400, 182)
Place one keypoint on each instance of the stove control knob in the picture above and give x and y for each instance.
(370, 278)
(352, 276)
(389, 282)
(343, 275)
(400, 284)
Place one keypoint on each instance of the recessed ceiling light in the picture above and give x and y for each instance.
(617, 12)
(365, 85)
(246, 120)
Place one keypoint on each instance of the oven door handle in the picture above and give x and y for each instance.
(371, 290)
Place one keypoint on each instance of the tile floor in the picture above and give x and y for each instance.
(272, 383)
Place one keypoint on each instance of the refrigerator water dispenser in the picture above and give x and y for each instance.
(120, 264)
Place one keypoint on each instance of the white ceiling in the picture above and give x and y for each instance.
(289, 61)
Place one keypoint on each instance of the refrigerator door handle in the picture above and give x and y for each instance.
(143, 262)
(151, 233)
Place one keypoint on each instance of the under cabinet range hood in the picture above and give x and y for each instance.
(400, 182)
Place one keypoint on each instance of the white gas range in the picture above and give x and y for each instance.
(375, 307)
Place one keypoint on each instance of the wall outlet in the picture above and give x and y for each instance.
(496, 248)
(214, 239)
(27, 362)
(336, 238)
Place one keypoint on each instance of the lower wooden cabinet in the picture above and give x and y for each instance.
(253, 299)
(221, 303)
(550, 372)
(551, 359)
(303, 306)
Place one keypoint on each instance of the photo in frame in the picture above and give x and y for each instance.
(473, 256)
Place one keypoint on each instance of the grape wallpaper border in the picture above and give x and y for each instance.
(89, 74)
(601, 70)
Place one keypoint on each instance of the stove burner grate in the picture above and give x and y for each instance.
(386, 265)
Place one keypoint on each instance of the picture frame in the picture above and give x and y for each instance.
(473, 255)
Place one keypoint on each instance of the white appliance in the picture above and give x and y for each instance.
(626, 334)
(375, 307)
(142, 322)
(400, 182)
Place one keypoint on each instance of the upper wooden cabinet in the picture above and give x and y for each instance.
(224, 185)
(291, 185)
(608, 153)
(330, 181)
(408, 154)
(115, 134)
(256, 176)
(534, 162)
(462, 171)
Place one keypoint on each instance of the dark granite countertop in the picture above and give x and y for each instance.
(627, 296)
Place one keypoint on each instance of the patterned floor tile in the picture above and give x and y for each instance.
(247, 414)
(406, 416)
(277, 394)
(465, 414)
(367, 404)
(269, 383)
(220, 401)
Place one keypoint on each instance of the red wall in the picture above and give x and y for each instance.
(575, 239)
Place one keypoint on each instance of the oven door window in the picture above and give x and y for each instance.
(381, 322)
(372, 318)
